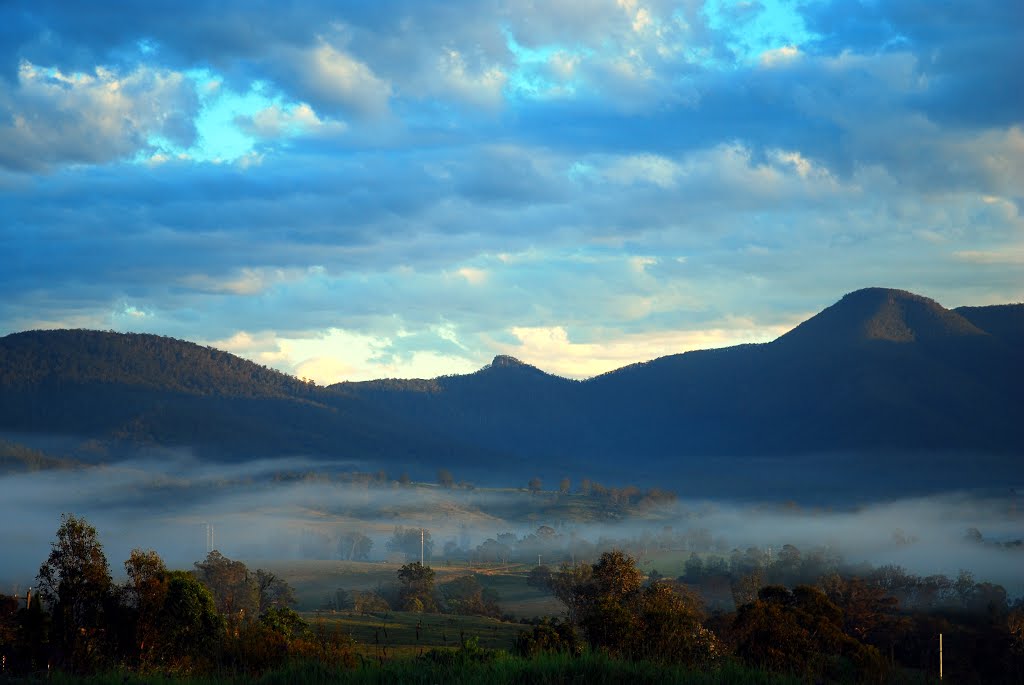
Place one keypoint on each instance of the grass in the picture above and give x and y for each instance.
(315, 581)
(499, 669)
(402, 634)
(519, 599)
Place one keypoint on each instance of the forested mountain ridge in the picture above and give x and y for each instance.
(129, 390)
(1004, 321)
(879, 372)
(83, 356)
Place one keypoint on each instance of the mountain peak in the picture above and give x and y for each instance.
(882, 314)
(506, 366)
(504, 360)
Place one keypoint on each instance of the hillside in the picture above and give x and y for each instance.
(117, 393)
(880, 372)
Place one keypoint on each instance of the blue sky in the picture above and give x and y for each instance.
(405, 189)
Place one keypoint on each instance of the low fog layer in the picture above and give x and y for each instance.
(289, 509)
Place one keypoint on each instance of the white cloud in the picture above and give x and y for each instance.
(332, 78)
(564, 65)
(646, 168)
(336, 355)
(1012, 255)
(56, 117)
(551, 349)
(482, 87)
(473, 275)
(780, 57)
(246, 281)
(276, 121)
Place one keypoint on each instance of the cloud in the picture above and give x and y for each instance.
(336, 355)
(779, 57)
(334, 79)
(551, 349)
(482, 87)
(472, 275)
(51, 117)
(623, 169)
(275, 121)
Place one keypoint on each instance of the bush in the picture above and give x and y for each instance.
(549, 637)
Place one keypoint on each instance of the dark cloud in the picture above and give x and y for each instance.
(968, 52)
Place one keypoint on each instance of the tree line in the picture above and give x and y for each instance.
(879, 627)
(218, 616)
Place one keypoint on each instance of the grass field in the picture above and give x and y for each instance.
(402, 634)
(316, 581)
(551, 669)
(519, 599)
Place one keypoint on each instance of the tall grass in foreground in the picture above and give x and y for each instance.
(503, 669)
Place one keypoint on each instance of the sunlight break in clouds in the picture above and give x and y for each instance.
(550, 348)
(338, 355)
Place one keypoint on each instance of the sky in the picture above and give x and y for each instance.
(346, 191)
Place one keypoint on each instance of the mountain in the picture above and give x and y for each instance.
(115, 393)
(882, 382)
(1004, 321)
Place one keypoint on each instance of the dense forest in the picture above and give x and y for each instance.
(805, 617)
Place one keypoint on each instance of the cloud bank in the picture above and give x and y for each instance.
(407, 189)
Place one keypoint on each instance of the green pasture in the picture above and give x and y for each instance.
(314, 581)
(402, 634)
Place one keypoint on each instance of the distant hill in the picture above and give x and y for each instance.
(880, 373)
(132, 391)
(15, 458)
(1004, 321)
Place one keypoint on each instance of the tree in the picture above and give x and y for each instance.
(8, 624)
(444, 478)
(570, 585)
(465, 595)
(407, 541)
(272, 591)
(661, 621)
(669, 627)
(607, 618)
(354, 546)
(534, 485)
(144, 594)
(189, 624)
(563, 486)
(693, 569)
(869, 614)
(230, 584)
(801, 632)
(492, 550)
(417, 589)
(75, 583)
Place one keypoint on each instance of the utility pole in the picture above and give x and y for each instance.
(209, 536)
(421, 546)
(940, 656)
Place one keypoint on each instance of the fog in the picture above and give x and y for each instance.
(294, 508)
